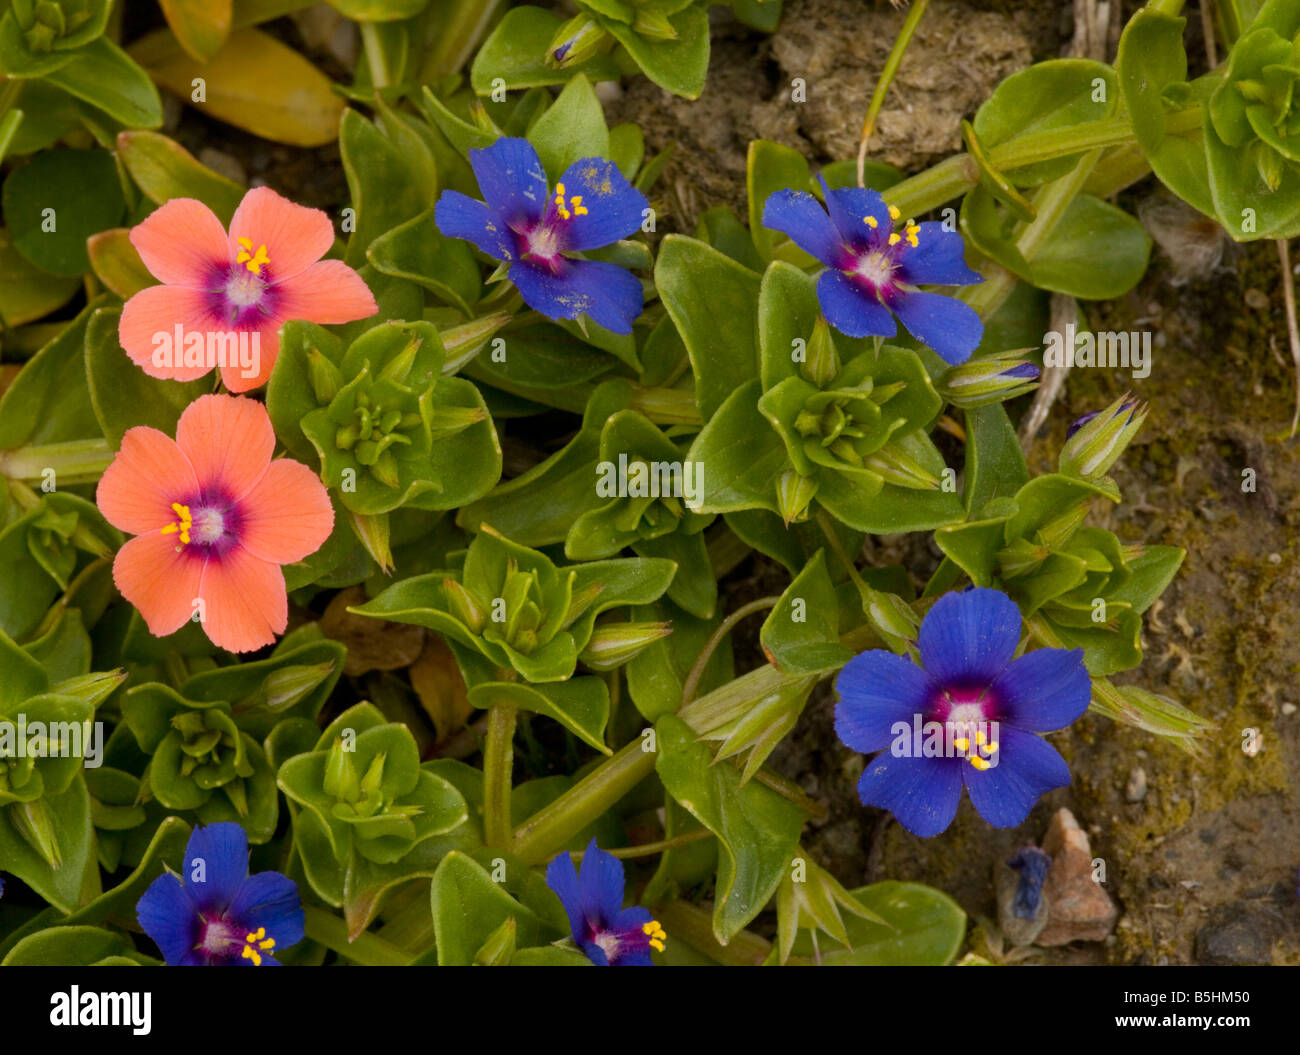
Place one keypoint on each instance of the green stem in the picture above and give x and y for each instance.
(662, 846)
(74, 462)
(498, 768)
(380, 75)
(694, 926)
(369, 950)
(692, 681)
(892, 63)
(837, 547)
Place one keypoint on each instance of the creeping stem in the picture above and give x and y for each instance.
(498, 765)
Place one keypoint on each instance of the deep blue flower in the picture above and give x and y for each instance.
(610, 935)
(215, 913)
(983, 704)
(872, 271)
(1033, 865)
(524, 224)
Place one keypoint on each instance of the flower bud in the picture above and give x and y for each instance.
(1096, 440)
(325, 378)
(793, 495)
(823, 362)
(653, 25)
(578, 40)
(901, 469)
(989, 379)
(614, 644)
(464, 605)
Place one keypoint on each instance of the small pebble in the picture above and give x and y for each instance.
(1275, 558)
(1288, 709)
(1136, 788)
(1256, 299)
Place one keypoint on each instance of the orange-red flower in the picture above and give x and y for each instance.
(225, 296)
(214, 518)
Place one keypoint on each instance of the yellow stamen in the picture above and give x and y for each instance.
(656, 934)
(562, 207)
(895, 238)
(261, 941)
(252, 260)
(961, 743)
(578, 208)
(894, 214)
(183, 524)
(979, 763)
(871, 222)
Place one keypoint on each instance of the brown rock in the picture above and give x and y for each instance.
(1079, 907)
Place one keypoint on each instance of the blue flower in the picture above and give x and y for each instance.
(1033, 865)
(610, 935)
(534, 230)
(872, 271)
(967, 715)
(215, 913)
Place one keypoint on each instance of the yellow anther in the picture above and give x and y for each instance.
(990, 749)
(979, 763)
(655, 933)
(252, 260)
(871, 222)
(562, 206)
(578, 208)
(961, 743)
(980, 738)
(182, 525)
(254, 942)
(894, 214)
(895, 238)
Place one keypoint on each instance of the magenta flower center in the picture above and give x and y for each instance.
(244, 288)
(875, 270)
(206, 526)
(218, 936)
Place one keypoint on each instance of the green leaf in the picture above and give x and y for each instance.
(1151, 57)
(713, 302)
(516, 52)
(57, 201)
(71, 947)
(743, 454)
(122, 394)
(1047, 97)
(390, 179)
(26, 292)
(757, 829)
(581, 704)
(416, 250)
(572, 128)
(679, 66)
(657, 675)
(75, 880)
(802, 633)
(771, 167)
(163, 170)
(995, 461)
(49, 401)
(201, 26)
(104, 76)
(925, 928)
(468, 906)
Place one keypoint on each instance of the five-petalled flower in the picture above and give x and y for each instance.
(534, 230)
(219, 287)
(610, 935)
(872, 269)
(214, 518)
(968, 681)
(215, 913)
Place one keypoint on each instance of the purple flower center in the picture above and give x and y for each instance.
(218, 937)
(874, 271)
(205, 526)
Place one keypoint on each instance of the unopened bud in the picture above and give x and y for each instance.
(325, 378)
(341, 782)
(614, 644)
(464, 605)
(578, 40)
(653, 25)
(899, 468)
(989, 379)
(1096, 440)
(823, 362)
(794, 493)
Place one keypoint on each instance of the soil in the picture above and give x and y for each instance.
(1204, 866)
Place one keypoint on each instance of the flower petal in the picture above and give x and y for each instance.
(611, 295)
(155, 312)
(600, 885)
(801, 216)
(161, 578)
(951, 328)
(328, 293)
(270, 900)
(223, 850)
(229, 441)
(614, 207)
(287, 515)
(182, 243)
(852, 310)
(149, 474)
(512, 179)
(877, 689)
(245, 601)
(562, 878)
(460, 216)
(294, 235)
(238, 378)
(1043, 690)
(939, 259)
(169, 916)
(922, 793)
(849, 207)
(1028, 766)
(967, 637)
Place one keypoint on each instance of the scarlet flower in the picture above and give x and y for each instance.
(214, 518)
(265, 271)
